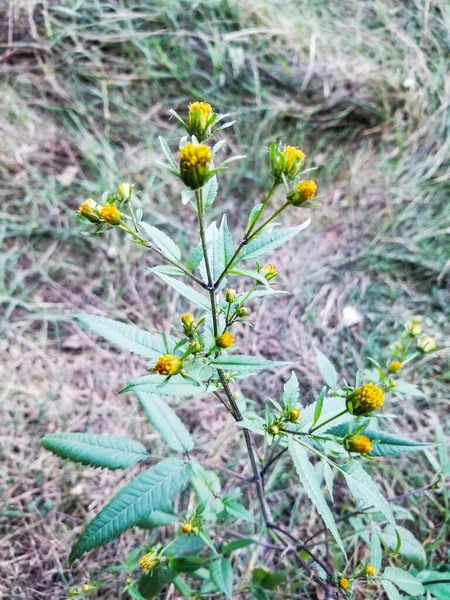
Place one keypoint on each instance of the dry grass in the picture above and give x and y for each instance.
(85, 93)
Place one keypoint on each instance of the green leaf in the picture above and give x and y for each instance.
(216, 253)
(410, 548)
(404, 580)
(225, 234)
(328, 477)
(332, 406)
(308, 478)
(291, 391)
(188, 564)
(376, 555)
(440, 591)
(237, 545)
(363, 488)
(327, 370)
(126, 336)
(253, 217)
(157, 518)
(209, 191)
(387, 444)
(162, 241)
(207, 486)
(144, 494)
(266, 242)
(195, 258)
(237, 510)
(152, 583)
(183, 289)
(104, 451)
(222, 575)
(242, 363)
(319, 405)
(166, 422)
(168, 154)
(176, 385)
(251, 273)
(391, 590)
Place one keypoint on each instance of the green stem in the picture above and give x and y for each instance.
(275, 214)
(326, 422)
(247, 237)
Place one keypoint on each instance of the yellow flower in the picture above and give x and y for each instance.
(111, 214)
(370, 570)
(200, 120)
(344, 583)
(294, 158)
(88, 210)
(187, 319)
(395, 366)
(194, 164)
(73, 592)
(426, 344)
(269, 271)
(358, 443)
(186, 528)
(125, 190)
(86, 587)
(364, 400)
(149, 561)
(304, 191)
(225, 340)
(293, 415)
(168, 365)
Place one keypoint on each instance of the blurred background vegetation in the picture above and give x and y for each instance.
(363, 87)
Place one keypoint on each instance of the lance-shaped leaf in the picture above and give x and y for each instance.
(291, 391)
(166, 422)
(146, 493)
(404, 580)
(167, 386)
(104, 451)
(327, 370)
(331, 407)
(222, 575)
(385, 443)
(266, 242)
(126, 336)
(363, 488)
(215, 251)
(183, 289)
(410, 548)
(376, 554)
(244, 364)
(162, 241)
(308, 478)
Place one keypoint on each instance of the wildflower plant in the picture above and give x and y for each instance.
(335, 435)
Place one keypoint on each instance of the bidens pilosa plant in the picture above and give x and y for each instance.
(336, 435)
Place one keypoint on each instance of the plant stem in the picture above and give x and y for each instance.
(275, 214)
(326, 422)
(247, 237)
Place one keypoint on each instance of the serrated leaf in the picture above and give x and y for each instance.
(209, 191)
(195, 258)
(126, 336)
(243, 363)
(332, 406)
(404, 580)
(319, 405)
(308, 478)
(266, 242)
(386, 443)
(222, 575)
(225, 234)
(162, 241)
(410, 548)
(440, 589)
(144, 494)
(253, 217)
(166, 269)
(104, 451)
(150, 584)
(291, 391)
(363, 488)
(183, 289)
(327, 370)
(328, 476)
(251, 273)
(237, 545)
(173, 386)
(168, 154)
(391, 591)
(166, 422)
(216, 253)
(237, 510)
(376, 554)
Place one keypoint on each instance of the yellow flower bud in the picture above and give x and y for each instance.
(111, 214)
(370, 570)
(186, 528)
(395, 366)
(73, 592)
(125, 190)
(188, 320)
(242, 312)
(168, 365)
(88, 210)
(128, 581)
(344, 583)
(274, 429)
(269, 271)
(358, 443)
(199, 120)
(293, 415)
(194, 164)
(149, 561)
(303, 192)
(86, 587)
(289, 165)
(426, 344)
(230, 295)
(364, 400)
(225, 340)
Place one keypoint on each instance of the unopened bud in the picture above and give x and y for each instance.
(293, 415)
(230, 295)
(242, 312)
(186, 528)
(125, 190)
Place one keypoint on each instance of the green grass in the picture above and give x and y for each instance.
(86, 88)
